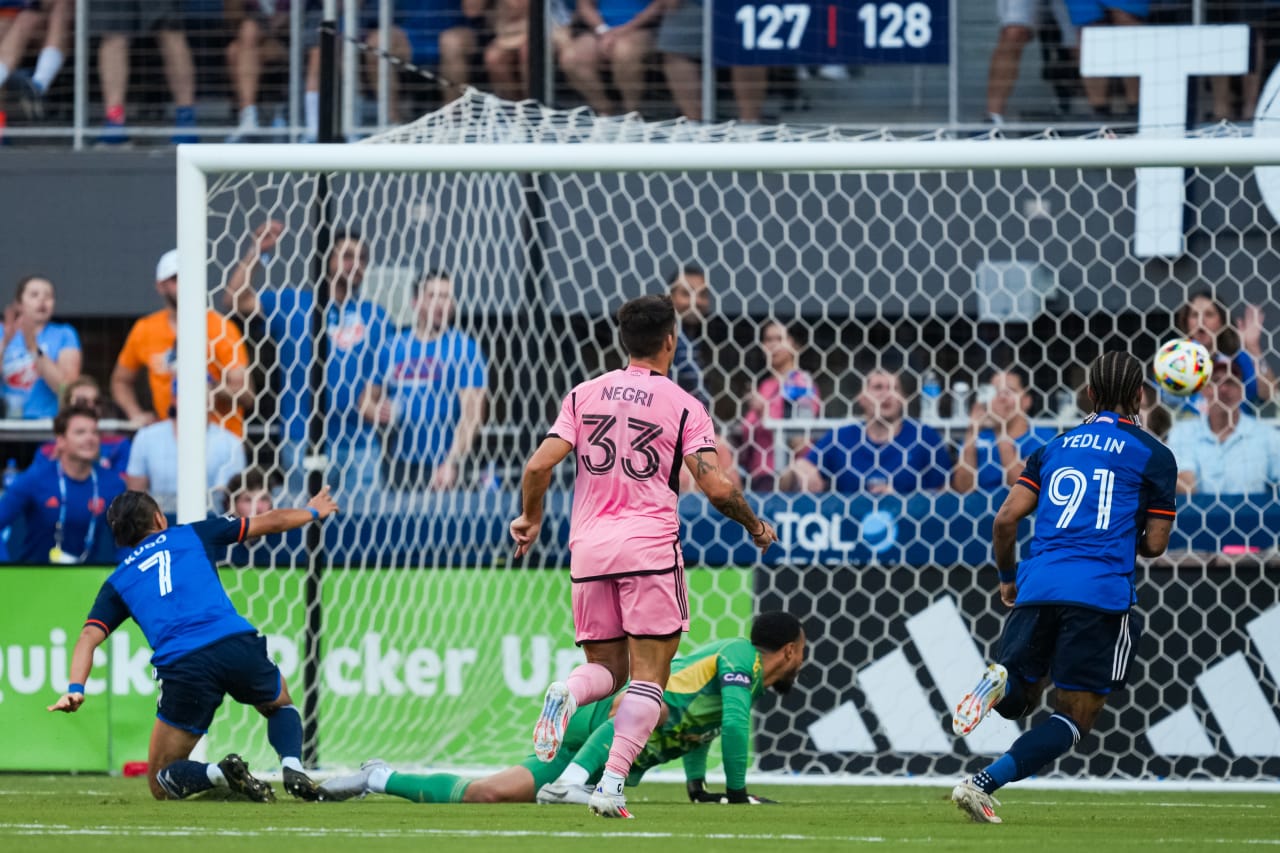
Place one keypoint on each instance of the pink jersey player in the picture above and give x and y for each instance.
(629, 431)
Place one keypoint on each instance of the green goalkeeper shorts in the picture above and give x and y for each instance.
(584, 721)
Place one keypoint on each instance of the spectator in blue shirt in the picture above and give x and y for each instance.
(1000, 438)
(356, 329)
(1226, 451)
(429, 394)
(154, 459)
(40, 356)
(886, 453)
(63, 501)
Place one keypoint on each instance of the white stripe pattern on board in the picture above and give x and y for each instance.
(1121, 660)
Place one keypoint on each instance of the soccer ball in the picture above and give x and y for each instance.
(1182, 367)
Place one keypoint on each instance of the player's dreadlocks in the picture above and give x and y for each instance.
(1116, 380)
(132, 518)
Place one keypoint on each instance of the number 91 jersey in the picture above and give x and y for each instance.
(1097, 486)
(630, 430)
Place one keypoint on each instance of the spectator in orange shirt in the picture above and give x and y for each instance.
(151, 346)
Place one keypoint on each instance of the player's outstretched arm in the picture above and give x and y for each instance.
(1155, 539)
(279, 520)
(534, 485)
(91, 636)
(726, 497)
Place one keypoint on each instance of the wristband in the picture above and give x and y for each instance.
(602, 29)
(1010, 576)
(75, 688)
(315, 513)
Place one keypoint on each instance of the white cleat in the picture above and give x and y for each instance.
(557, 708)
(975, 802)
(980, 700)
(608, 805)
(351, 786)
(560, 793)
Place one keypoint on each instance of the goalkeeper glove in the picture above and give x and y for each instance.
(741, 796)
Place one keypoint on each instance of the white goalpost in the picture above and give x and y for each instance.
(414, 636)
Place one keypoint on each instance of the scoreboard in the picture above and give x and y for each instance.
(838, 32)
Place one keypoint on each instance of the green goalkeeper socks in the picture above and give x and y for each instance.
(594, 752)
(436, 788)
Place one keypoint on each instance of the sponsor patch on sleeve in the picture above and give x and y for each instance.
(739, 678)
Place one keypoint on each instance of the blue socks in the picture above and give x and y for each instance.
(284, 732)
(1029, 753)
(183, 778)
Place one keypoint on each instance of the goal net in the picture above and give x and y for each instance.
(482, 251)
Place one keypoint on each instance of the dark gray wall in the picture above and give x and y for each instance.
(94, 222)
(820, 245)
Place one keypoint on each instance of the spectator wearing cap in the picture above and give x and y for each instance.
(1225, 450)
(151, 346)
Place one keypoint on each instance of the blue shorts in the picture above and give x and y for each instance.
(1086, 12)
(1079, 648)
(192, 687)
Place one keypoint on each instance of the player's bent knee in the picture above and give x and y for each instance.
(157, 791)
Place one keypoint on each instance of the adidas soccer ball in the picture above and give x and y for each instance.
(1182, 367)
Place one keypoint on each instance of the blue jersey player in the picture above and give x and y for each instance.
(202, 648)
(1102, 493)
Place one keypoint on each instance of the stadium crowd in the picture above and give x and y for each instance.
(227, 61)
(406, 406)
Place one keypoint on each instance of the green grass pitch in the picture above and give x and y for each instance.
(90, 813)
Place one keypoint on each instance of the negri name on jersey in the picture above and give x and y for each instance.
(627, 394)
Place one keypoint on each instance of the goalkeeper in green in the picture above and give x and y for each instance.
(709, 694)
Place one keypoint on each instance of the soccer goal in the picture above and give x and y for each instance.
(407, 628)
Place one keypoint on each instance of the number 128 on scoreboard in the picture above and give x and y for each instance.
(842, 32)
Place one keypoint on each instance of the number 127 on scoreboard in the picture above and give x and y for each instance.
(844, 32)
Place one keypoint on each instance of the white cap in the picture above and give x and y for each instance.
(167, 266)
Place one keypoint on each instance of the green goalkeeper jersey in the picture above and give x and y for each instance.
(709, 694)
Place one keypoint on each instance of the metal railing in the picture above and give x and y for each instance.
(923, 98)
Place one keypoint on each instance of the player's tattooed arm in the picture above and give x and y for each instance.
(727, 497)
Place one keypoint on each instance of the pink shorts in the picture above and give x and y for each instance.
(646, 606)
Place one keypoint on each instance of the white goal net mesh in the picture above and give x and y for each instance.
(476, 300)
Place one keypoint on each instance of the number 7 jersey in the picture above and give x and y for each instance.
(169, 584)
(1097, 486)
(630, 430)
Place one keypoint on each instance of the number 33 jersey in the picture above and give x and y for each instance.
(1097, 486)
(630, 430)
